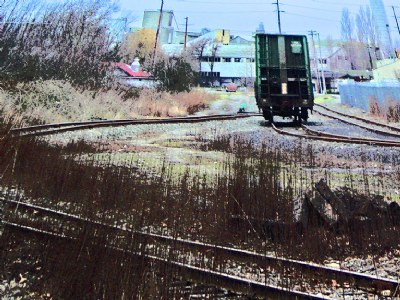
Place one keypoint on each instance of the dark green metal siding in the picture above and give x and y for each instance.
(283, 70)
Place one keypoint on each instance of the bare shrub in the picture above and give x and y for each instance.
(374, 108)
(392, 110)
(70, 41)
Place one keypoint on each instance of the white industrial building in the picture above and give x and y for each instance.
(232, 61)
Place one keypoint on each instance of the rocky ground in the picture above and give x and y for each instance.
(151, 146)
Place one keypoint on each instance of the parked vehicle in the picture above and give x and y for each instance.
(283, 84)
(231, 87)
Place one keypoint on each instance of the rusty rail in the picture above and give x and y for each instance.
(326, 137)
(378, 131)
(48, 129)
(361, 281)
(393, 128)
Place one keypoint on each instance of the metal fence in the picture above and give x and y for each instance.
(362, 94)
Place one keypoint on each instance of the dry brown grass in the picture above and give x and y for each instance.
(151, 103)
(58, 101)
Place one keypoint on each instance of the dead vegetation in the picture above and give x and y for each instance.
(58, 101)
(390, 110)
(250, 205)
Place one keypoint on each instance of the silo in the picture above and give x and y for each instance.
(382, 26)
(151, 19)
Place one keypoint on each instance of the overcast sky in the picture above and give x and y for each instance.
(242, 17)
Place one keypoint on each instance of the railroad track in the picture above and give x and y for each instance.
(202, 262)
(327, 137)
(47, 129)
(382, 129)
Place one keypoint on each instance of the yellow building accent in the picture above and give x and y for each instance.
(222, 36)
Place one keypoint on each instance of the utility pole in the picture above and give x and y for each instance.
(186, 30)
(370, 57)
(322, 66)
(317, 85)
(279, 15)
(397, 22)
(158, 32)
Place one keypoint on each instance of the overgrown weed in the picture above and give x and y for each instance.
(55, 101)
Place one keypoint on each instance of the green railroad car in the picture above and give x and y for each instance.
(283, 84)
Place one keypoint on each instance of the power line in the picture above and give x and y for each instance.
(313, 8)
(312, 17)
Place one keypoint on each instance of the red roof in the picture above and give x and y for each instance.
(129, 72)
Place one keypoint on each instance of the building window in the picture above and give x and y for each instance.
(210, 74)
(322, 61)
(226, 59)
(238, 59)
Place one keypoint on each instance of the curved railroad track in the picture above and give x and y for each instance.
(47, 129)
(327, 137)
(203, 262)
(379, 128)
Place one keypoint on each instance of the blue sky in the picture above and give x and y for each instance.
(242, 17)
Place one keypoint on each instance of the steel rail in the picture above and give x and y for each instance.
(360, 280)
(393, 128)
(332, 138)
(48, 129)
(378, 131)
(198, 274)
(375, 142)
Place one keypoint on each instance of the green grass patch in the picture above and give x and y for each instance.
(323, 99)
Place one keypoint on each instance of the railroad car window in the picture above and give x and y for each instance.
(297, 48)
(237, 59)
(226, 59)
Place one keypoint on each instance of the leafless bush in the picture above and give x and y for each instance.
(70, 41)
(392, 110)
(374, 108)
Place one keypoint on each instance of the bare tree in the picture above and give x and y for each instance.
(70, 41)
(347, 31)
(362, 26)
(214, 47)
(198, 50)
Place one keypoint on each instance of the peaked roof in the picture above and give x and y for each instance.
(125, 68)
